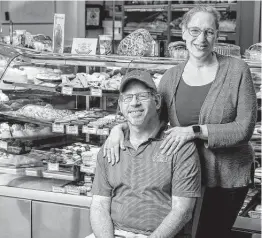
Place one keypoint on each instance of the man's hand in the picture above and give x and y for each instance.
(176, 137)
(113, 144)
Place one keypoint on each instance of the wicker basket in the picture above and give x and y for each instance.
(254, 52)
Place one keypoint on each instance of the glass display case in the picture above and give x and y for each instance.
(56, 110)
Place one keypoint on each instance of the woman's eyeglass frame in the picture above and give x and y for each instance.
(211, 34)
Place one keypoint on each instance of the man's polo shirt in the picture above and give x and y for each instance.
(143, 182)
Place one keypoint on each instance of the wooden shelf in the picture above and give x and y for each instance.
(145, 8)
(152, 32)
(218, 6)
(177, 7)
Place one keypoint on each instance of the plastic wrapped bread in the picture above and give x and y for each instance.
(138, 43)
(177, 50)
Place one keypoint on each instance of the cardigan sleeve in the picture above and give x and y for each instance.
(240, 130)
(164, 90)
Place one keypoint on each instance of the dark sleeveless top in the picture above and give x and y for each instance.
(189, 100)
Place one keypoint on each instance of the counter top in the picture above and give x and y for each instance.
(38, 189)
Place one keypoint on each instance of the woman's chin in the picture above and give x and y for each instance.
(200, 54)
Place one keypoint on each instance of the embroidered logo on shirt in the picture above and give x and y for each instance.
(159, 158)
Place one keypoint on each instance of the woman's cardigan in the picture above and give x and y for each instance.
(230, 112)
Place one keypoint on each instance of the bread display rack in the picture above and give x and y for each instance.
(28, 76)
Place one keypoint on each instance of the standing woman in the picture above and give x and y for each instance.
(210, 99)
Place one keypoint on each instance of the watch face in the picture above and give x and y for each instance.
(196, 129)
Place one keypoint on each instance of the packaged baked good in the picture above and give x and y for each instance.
(5, 131)
(177, 50)
(3, 97)
(138, 43)
(17, 131)
(227, 49)
(41, 42)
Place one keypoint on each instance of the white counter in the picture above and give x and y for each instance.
(38, 189)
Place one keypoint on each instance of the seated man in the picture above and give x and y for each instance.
(146, 194)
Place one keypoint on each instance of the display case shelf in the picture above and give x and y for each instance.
(38, 172)
(253, 63)
(8, 116)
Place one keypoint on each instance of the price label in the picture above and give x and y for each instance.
(72, 130)
(96, 92)
(99, 132)
(87, 179)
(89, 194)
(89, 130)
(53, 166)
(105, 131)
(185, 9)
(67, 90)
(88, 170)
(72, 190)
(56, 189)
(58, 128)
(3, 145)
(85, 169)
(222, 38)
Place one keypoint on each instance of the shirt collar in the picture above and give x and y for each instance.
(157, 135)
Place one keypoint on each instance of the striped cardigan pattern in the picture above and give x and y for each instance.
(229, 111)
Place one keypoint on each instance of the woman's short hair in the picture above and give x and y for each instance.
(188, 15)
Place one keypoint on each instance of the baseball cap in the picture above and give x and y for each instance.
(139, 75)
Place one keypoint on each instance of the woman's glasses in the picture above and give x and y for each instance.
(196, 31)
(126, 98)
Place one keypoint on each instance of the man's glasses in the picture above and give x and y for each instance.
(126, 98)
(195, 32)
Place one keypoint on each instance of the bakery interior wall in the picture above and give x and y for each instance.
(37, 17)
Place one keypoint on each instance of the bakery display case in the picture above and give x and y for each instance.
(56, 110)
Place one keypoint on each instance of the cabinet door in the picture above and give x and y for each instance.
(55, 220)
(15, 218)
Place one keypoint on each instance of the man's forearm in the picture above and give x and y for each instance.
(172, 224)
(101, 222)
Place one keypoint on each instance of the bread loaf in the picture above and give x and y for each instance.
(138, 43)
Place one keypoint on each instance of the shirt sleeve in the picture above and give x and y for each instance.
(101, 185)
(186, 181)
